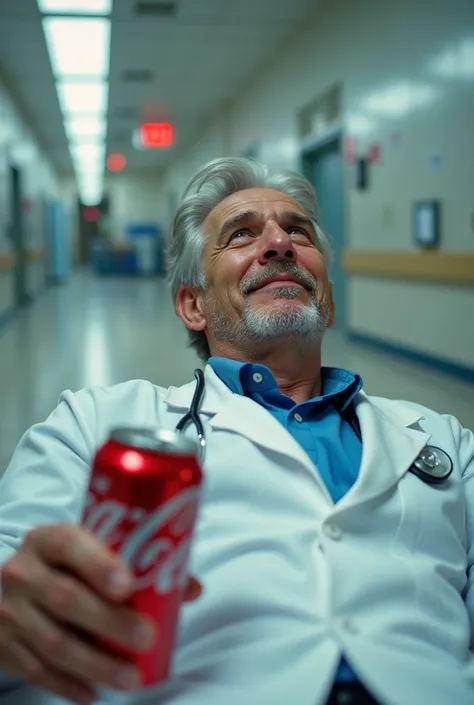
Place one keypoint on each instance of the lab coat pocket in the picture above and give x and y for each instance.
(431, 537)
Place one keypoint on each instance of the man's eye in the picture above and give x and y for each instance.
(297, 230)
(236, 235)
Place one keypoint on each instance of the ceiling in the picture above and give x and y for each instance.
(183, 65)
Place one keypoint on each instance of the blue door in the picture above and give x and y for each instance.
(324, 168)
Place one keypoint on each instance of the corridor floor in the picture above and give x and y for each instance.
(103, 331)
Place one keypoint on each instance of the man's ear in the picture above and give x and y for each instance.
(189, 308)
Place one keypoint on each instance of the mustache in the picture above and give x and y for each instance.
(274, 268)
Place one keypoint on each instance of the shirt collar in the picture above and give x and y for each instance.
(339, 386)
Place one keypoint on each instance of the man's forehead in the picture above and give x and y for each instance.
(261, 200)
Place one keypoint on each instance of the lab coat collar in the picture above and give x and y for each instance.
(390, 443)
(218, 396)
(240, 415)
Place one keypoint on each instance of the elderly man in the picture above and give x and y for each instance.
(335, 541)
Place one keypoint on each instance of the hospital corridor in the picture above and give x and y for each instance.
(236, 352)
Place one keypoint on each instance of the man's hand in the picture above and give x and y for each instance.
(62, 590)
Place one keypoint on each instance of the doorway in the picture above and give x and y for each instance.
(323, 167)
(22, 297)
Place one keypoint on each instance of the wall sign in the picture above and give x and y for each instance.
(427, 224)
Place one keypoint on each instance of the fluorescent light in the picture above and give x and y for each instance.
(90, 97)
(85, 128)
(87, 157)
(91, 197)
(84, 178)
(89, 184)
(87, 151)
(88, 166)
(77, 7)
(78, 47)
(457, 62)
(358, 124)
(400, 99)
(91, 187)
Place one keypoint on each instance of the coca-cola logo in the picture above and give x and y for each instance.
(155, 545)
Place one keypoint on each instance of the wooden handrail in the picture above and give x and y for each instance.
(35, 254)
(7, 262)
(433, 266)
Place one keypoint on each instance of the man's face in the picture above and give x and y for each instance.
(266, 276)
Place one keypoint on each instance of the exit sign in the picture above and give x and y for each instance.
(156, 135)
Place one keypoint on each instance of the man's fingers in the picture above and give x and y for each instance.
(67, 600)
(79, 551)
(66, 651)
(21, 660)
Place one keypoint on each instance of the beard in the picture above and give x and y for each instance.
(304, 324)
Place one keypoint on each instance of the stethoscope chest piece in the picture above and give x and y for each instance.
(433, 465)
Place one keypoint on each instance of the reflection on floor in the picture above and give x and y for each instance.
(104, 331)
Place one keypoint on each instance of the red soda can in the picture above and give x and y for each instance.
(142, 502)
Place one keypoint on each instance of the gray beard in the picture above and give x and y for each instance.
(304, 324)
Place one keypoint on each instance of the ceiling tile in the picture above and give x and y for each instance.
(200, 58)
(19, 8)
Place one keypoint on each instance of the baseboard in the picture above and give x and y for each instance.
(432, 362)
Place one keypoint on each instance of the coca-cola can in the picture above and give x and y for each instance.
(142, 502)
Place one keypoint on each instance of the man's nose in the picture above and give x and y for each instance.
(276, 244)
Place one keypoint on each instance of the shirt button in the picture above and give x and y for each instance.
(333, 532)
(298, 418)
(257, 377)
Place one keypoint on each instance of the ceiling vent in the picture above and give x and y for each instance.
(137, 76)
(161, 8)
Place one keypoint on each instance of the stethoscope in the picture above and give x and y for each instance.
(433, 465)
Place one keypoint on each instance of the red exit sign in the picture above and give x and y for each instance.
(157, 135)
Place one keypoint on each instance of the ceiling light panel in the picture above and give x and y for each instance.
(78, 128)
(89, 97)
(400, 99)
(78, 47)
(76, 7)
(84, 153)
(457, 62)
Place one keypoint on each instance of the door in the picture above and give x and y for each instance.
(324, 168)
(17, 234)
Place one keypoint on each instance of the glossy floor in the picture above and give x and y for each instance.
(104, 331)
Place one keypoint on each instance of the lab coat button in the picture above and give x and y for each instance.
(349, 626)
(333, 532)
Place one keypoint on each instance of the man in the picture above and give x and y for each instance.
(330, 571)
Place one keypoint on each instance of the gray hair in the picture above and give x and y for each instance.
(211, 185)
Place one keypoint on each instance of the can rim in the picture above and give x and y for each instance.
(170, 442)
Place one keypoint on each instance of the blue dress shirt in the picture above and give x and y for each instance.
(316, 424)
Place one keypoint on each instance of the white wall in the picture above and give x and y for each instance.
(19, 147)
(407, 72)
(134, 199)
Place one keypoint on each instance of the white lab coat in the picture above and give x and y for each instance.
(291, 580)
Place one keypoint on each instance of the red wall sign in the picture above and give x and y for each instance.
(374, 154)
(91, 215)
(116, 162)
(349, 150)
(156, 135)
